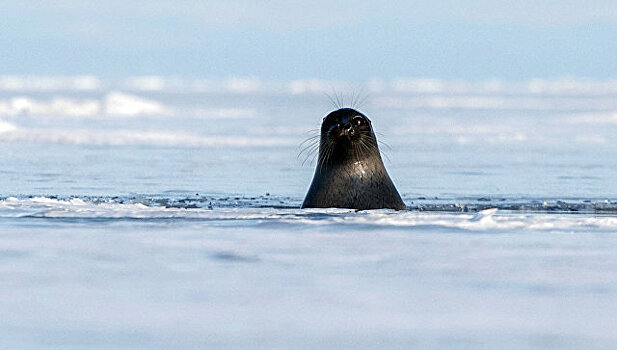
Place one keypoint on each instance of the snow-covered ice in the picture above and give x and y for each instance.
(155, 212)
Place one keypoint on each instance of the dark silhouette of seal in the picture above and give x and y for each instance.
(350, 172)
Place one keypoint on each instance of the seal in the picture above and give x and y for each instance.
(350, 172)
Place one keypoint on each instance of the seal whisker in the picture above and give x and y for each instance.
(385, 154)
(342, 99)
(310, 139)
(358, 146)
(331, 100)
(313, 144)
(326, 159)
(366, 147)
(385, 144)
(308, 150)
(336, 96)
(353, 98)
(322, 150)
(307, 153)
(355, 151)
(311, 155)
(362, 101)
(322, 164)
(357, 97)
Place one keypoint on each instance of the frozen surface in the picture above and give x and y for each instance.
(106, 275)
(163, 213)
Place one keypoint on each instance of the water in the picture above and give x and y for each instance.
(156, 213)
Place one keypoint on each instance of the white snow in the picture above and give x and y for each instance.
(117, 103)
(57, 106)
(150, 277)
(135, 137)
(6, 127)
(50, 83)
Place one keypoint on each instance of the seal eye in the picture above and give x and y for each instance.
(357, 120)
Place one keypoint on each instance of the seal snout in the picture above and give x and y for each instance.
(343, 130)
(347, 130)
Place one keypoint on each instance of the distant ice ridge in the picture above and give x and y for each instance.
(58, 106)
(113, 103)
(136, 137)
(6, 127)
(252, 85)
(50, 83)
(496, 102)
(489, 219)
(129, 105)
(117, 103)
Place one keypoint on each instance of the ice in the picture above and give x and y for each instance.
(50, 83)
(417, 85)
(242, 85)
(57, 106)
(224, 113)
(114, 104)
(147, 83)
(487, 219)
(6, 127)
(315, 86)
(271, 278)
(136, 137)
(117, 103)
(163, 212)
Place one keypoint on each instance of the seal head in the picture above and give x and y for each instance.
(350, 172)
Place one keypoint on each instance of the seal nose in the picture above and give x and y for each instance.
(347, 129)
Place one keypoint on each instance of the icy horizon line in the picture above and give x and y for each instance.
(253, 84)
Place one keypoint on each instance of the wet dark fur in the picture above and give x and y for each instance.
(350, 172)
